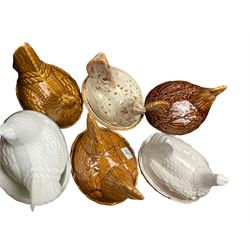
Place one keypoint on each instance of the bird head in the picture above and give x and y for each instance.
(22, 127)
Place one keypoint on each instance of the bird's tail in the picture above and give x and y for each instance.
(43, 190)
(25, 59)
(205, 97)
(118, 184)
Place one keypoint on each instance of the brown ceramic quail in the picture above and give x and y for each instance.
(46, 88)
(179, 107)
(104, 165)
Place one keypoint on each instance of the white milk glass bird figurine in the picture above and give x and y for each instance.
(34, 159)
(175, 169)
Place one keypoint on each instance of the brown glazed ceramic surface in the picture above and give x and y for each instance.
(46, 88)
(179, 107)
(104, 165)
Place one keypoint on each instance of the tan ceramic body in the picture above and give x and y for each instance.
(101, 168)
(108, 105)
(46, 88)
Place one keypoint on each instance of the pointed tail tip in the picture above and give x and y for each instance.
(221, 180)
(26, 44)
(25, 59)
(139, 110)
(91, 122)
(94, 64)
(21, 49)
(43, 190)
(100, 56)
(93, 129)
(32, 207)
(216, 91)
(135, 194)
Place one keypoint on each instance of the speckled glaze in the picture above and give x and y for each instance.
(34, 161)
(175, 169)
(46, 88)
(179, 107)
(111, 95)
(104, 165)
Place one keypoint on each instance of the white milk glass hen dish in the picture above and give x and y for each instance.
(175, 169)
(34, 159)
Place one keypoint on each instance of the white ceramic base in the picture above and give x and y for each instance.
(19, 192)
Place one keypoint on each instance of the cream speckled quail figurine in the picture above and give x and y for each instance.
(111, 95)
(175, 169)
(34, 161)
(46, 88)
(104, 165)
(179, 107)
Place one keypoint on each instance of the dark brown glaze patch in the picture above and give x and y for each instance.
(179, 107)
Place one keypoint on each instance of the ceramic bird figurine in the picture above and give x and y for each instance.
(179, 107)
(34, 159)
(175, 169)
(111, 95)
(104, 165)
(46, 88)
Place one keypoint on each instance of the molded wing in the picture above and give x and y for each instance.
(55, 148)
(9, 161)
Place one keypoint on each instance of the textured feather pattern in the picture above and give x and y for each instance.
(101, 169)
(37, 158)
(179, 107)
(173, 167)
(9, 161)
(180, 116)
(41, 85)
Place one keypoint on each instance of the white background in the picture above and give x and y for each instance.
(204, 42)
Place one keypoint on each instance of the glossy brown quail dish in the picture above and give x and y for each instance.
(104, 165)
(179, 107)
(46, 88)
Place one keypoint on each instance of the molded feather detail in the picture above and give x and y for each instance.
(43, 189)
(26, 60)
(104, 165)
(179, 107)
(175, 169)
(34, 166)
(118, 184)
(204, 99)
(46, 88)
